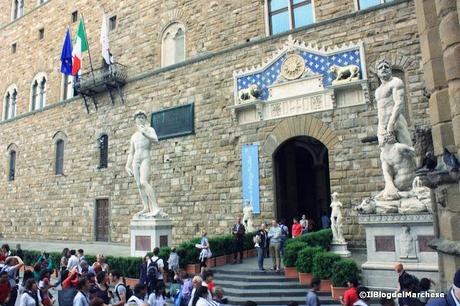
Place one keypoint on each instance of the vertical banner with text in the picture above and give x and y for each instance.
(250, 175)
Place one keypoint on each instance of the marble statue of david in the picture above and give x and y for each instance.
(138, 164)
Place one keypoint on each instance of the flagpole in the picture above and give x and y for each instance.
(89, 52)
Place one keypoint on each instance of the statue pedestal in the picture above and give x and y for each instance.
(148, 233)
(340, 248)
(392, 238)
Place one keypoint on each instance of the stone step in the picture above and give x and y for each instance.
(254, 278)
(258, 285)
(276, 300)
(298, 292)
(247, 272)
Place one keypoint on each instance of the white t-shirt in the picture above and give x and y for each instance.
(160, 265)
(134, 300)
(119, 290)
(27, 300)
(73, 262)
(154, 301)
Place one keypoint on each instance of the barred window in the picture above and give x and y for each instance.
(12, 168)
(60, 157)
(285, 15)
(103, 151)
(17, 9)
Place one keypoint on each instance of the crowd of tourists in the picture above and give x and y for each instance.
(82, 283)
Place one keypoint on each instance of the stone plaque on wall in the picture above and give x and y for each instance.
(423, 241)
(385, 243)
(174, 122)
(143, 243)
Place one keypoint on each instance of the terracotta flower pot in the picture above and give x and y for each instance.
(131, 281)
(290, 272)
(325, 285)
(221, 260)
(305, 278)
(211, 262)
(193, 268)
(230, 258)
(337, 292)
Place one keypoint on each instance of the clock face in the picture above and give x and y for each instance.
(293, 67)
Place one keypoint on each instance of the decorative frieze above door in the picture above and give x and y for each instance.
(301, 79)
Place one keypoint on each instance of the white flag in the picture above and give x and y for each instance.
(105, 41)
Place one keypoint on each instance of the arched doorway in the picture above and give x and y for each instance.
(301, 176)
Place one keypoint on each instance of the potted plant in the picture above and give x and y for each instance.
(342, 271)
(304, 263)
(322, 268)
(290, 256)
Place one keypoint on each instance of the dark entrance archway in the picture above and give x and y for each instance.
(301, 168)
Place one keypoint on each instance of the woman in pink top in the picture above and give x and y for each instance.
(296, 228)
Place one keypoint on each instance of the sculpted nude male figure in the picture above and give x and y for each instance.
(138, 164)
(393, 134)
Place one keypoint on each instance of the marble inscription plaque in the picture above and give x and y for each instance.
(143, 243)
(423, 243)
(385, 243)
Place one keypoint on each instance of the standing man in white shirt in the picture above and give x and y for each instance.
(73, 260)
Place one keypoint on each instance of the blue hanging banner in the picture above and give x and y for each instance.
(250, 175)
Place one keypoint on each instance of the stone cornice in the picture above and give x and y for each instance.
(395, 218)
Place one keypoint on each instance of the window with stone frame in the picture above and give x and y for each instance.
(10, 102)
(364, 4)
(67, 87)
(59, 164)
(17, 9)
(173, 44)
(38, 92)
(12, 165)
(285, 15)
(103, 151)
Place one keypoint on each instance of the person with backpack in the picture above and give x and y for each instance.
(30, 297)
(284, 235)
(82, 297)
(12, 265)
(121, 293)
(155, 270)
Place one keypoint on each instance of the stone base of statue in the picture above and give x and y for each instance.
(403, 238)
(148, 232)
(340, 248)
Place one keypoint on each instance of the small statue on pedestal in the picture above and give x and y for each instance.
(336, 219)
(247, 216)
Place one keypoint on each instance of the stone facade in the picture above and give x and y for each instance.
(439, 27)
(196, 175)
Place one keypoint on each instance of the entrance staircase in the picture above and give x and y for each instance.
(243, 282)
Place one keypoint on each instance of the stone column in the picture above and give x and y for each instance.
(439, 28)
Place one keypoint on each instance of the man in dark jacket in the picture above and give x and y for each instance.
(452, 297)
(238, 231)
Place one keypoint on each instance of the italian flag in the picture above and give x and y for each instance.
(80, 46)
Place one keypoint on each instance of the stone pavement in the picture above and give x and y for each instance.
(57, 246)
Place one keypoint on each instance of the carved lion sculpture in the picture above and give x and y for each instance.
(345, 73)
(249, 94)
(367, 206)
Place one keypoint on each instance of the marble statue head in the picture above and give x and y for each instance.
(140, 113)
(140, 116)
(334, 196)
(383, 69)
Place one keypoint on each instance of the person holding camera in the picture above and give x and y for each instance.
(259, 243)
